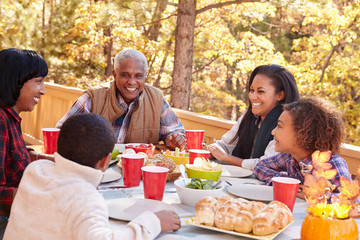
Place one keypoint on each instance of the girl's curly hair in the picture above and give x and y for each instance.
(318, 124)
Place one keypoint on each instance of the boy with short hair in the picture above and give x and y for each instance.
(305, 126)
(60, 200)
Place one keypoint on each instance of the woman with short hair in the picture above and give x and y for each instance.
(22, 74)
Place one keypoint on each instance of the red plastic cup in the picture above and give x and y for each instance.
(154, 180)
(131, 169)
(50, 137)
(194, 138)
(285, 190)
(194, 153)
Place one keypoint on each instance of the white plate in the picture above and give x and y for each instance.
(120, 146)
(252, 192)
(234, 171)
(111, 174)
(191, 221)
(113, 161)
(127, 209)
(237, 181)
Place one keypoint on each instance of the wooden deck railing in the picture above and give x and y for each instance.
(58, 100)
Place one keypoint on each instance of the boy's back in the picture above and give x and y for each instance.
(59, 200)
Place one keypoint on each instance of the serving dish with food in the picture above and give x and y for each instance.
(156, 160)
(204, 169)
(179, 157)
(190, 191)
(241, 217)
(149, 149)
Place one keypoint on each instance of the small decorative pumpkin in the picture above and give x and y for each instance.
(316, 228)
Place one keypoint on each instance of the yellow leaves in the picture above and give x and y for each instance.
(322, 210)
(330, 210)
(318, 189)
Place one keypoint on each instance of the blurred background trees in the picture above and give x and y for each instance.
(201, 52)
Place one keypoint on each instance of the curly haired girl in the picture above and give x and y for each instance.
(305, 126)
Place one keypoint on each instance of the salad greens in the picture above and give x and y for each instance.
(197, 183)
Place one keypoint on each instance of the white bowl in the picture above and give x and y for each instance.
(190, 196)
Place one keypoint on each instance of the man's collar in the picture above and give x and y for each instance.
(121, 101)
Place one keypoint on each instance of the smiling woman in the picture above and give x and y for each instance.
(22, 74)
(250, 138)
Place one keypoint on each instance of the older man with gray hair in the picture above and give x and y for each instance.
(138, 112)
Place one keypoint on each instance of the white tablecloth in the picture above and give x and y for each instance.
(185, 212)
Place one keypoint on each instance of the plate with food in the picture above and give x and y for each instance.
(262, 193)
(235, 171)
(191, 221)
(127, 209)
(177, 156)
(163, 161)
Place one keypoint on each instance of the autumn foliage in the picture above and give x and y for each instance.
(318, 189)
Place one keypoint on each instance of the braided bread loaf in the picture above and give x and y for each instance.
(241, 215)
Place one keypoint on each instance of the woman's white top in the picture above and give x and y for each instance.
(228, 147)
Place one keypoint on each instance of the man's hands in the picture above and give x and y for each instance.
(176, 139)
(169, 220)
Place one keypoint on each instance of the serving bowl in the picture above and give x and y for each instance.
(190, 196)
(181, 159)
(203, 174)
(149, 149)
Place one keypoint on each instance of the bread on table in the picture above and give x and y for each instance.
(224, 216)
(266, 222)
(284, 214)
(205, 211)
(241, 215)
(243, 221)
(257, 207)
(222, 199)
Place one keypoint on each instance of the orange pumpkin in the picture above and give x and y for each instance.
(316, 228)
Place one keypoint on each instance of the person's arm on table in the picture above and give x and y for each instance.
(169, 220)
(269, 151)
(220, 154)
(226, 143)
(94, 224)
(172, 131)
(271, 167)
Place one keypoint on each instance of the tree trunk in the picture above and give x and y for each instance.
(42, 53)
(183, 59)
(229, 88)
(107, 50)
(153, 31)
(162, 67)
